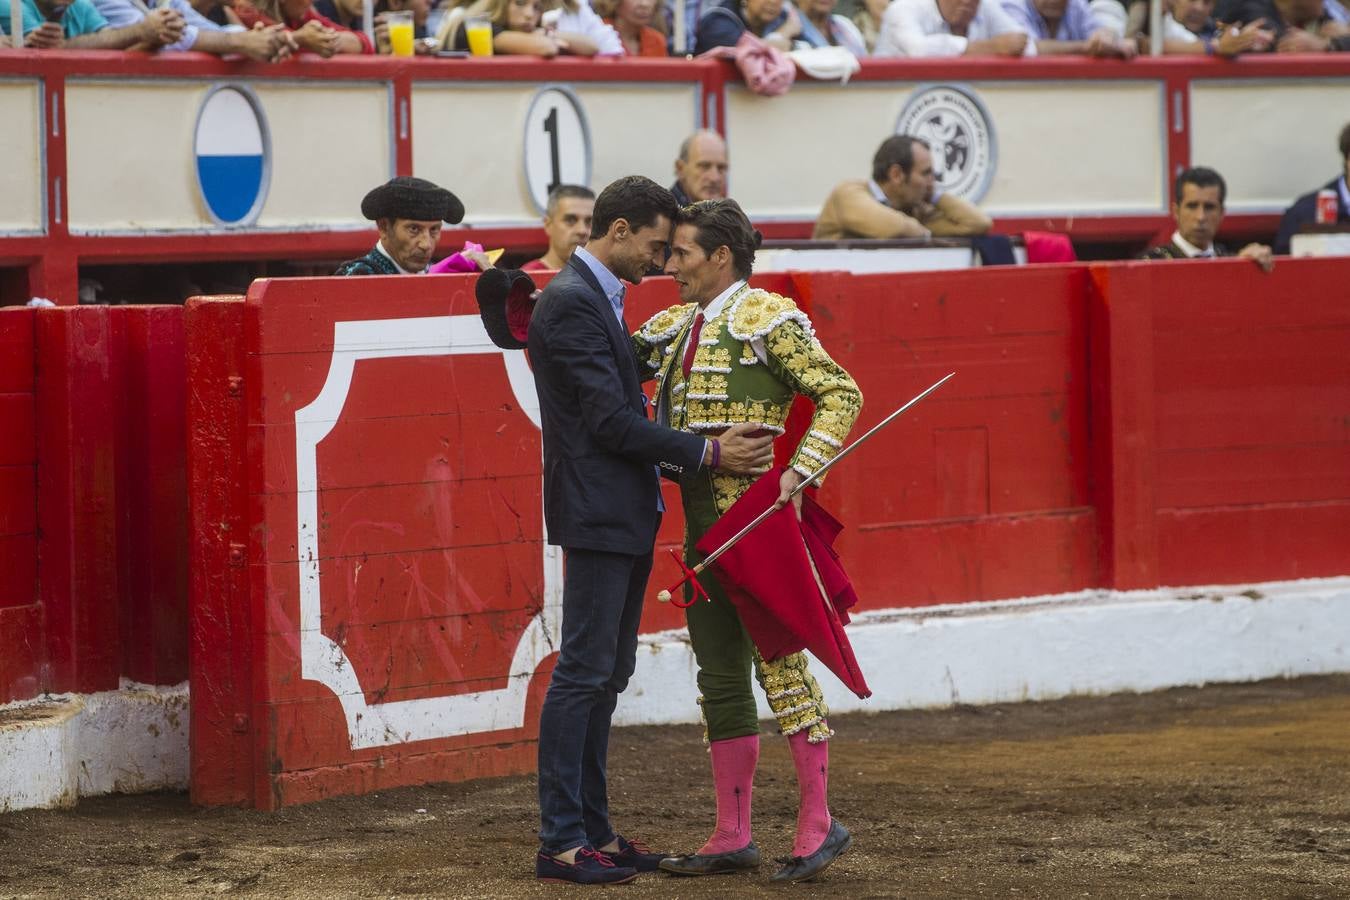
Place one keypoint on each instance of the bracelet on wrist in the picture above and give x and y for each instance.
(716, 453)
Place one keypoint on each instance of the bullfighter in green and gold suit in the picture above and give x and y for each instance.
(734, 354)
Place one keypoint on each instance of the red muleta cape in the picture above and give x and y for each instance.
(769, 576)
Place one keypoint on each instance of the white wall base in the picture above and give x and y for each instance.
(1095, 642)
(57, 749)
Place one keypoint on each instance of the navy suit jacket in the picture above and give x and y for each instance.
(1304, 212)
(600, 449)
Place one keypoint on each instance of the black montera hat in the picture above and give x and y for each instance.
(406, 197)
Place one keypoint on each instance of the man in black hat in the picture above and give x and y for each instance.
(408, 211)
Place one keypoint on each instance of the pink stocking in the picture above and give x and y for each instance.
(813, 770)
(733, 766)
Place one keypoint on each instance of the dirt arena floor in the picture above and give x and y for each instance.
(1230, 791)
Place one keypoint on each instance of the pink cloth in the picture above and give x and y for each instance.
(813, 775)
(1048, 247)
(767, 71)
(457, 262)
(733, 767)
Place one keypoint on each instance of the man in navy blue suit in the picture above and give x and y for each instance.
(602, 505)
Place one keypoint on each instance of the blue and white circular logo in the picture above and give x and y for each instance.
(233, 152)
(959, 132)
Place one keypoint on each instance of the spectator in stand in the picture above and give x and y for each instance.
(567, 222)
(1197, 206)
(263, 43)
(901, 200)
(634, 22)
(346, 13)
(1068, 27)
(773, 21)
(821, 27)
(1189, 27)
(577, 18)
(701, 169)
(408, 212)
(868, 20)
(1304, 210)
(518, 30)
(311, 31)
(951, 28)
(50, 25)
(1299, 26)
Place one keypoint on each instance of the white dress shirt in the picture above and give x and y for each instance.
(916, 28)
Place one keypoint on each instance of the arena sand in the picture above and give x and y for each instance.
(1225, 791)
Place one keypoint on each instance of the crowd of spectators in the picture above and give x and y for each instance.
(273, 30)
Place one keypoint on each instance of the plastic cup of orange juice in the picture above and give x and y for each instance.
(478, 30)
(400, 32)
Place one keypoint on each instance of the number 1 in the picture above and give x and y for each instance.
(551, 127)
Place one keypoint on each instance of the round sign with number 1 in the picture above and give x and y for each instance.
(557, 143)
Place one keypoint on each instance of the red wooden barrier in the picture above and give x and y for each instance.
(77, 352)
(93, 499)
(21, 642)
(371, 591)
(1247, 381)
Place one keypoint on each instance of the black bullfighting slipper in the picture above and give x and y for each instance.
(634, 855)
(804, 868)
(590, 868)
(742, 860)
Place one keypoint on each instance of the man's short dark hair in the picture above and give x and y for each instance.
(633, 197)
(1202, 177)
(1345, 141)
(896, 150)
(568, 192)
(723, 223)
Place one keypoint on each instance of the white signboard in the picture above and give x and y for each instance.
(557, 143)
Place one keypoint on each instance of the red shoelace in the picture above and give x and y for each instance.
(596, 855)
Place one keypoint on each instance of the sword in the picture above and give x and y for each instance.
(691, 573)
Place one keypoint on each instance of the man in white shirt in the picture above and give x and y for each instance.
(951, 28)
(1198, 209)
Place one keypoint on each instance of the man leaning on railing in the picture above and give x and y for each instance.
(78, 25)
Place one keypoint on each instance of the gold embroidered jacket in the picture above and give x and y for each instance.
(752, 359)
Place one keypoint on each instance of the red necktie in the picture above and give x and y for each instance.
(692, 346)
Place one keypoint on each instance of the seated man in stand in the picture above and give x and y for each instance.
(78, 25)
(264, 43)
(1068, 27)
(1297, 26)
(567, 222)
(920, 28)
(900, 200)
(408, 211)
(701, 169)
(1304, 210)
(1199, 196)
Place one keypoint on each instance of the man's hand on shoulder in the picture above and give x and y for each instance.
(742, 454)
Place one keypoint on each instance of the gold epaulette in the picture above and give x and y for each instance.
(667, 323)
(756, 313)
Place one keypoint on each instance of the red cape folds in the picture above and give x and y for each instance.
(768, 576)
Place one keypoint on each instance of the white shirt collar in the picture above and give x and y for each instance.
(877, 192)
(379, 245)
(714, 309)
(1190, 249)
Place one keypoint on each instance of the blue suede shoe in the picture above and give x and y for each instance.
(590, 868)
(634, 855)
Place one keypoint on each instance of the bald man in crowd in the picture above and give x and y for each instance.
(701, 170)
